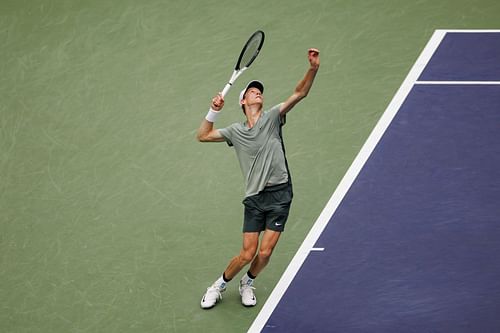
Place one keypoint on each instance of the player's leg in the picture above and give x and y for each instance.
(267, 245)
(247, 253)
(269, 241)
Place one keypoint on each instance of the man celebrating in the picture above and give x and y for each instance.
(268, 189)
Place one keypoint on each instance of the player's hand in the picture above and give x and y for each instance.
(217, 102)
(313, 56)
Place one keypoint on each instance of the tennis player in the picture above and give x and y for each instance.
(258, 144)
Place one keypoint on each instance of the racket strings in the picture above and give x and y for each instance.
(251, 50)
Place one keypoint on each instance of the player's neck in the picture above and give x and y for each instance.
(253, 114)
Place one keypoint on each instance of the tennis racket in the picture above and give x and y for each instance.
(248, 54)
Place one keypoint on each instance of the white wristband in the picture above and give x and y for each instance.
(212, 115)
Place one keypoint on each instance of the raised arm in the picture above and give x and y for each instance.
(303, 87)
(206, 131)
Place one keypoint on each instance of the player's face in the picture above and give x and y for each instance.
(253, 96)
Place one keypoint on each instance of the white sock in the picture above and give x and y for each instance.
(220, 283)
(246, 280)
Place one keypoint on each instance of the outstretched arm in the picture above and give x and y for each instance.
(304, 85)
(206, 131)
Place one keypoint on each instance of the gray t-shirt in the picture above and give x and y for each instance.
(259, 150)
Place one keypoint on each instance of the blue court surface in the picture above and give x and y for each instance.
(410, 240)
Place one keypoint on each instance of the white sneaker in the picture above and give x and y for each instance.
(247, 295)
(212, 296)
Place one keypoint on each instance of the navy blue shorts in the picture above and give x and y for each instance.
(268, 209)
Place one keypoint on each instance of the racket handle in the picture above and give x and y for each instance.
(226, 89)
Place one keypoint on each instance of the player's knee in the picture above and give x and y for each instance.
(247, 256)
(265, 253)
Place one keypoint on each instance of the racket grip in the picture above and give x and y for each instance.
(226, 89)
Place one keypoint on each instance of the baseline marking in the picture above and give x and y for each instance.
(459, 82)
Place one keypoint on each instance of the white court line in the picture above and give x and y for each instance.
(318, 249)
(482, 31)
(346, 182)
(459, 82)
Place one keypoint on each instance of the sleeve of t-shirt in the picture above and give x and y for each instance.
(227, 134)
(275, 114)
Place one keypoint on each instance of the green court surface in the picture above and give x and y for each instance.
(112, 217)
